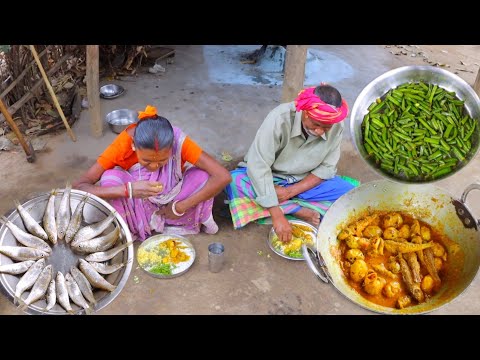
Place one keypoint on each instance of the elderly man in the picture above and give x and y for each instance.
(290, 167)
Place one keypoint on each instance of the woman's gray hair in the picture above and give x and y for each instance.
(153, 133)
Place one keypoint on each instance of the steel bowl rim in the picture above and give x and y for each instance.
(118, 128)
(126, 110)
(424, 68)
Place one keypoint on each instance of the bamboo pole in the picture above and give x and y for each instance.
(27, 147)
(52, 93)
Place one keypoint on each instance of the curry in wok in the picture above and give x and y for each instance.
(393, 259)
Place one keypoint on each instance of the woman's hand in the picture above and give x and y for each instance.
(145, 188)
(168, 212)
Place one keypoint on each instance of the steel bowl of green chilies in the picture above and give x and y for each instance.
(416, 124)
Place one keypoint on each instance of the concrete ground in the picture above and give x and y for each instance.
(224, 117)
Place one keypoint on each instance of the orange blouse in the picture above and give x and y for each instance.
(120, 153)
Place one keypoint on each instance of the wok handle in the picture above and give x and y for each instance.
(462, 211)
(468, 189)
(315, 263)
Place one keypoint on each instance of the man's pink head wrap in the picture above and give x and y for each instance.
(319, 110)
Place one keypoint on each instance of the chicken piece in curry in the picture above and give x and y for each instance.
(393, 259)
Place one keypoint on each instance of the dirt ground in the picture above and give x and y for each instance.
(225, 117)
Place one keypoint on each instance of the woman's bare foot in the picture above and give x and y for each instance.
(308, 215)
(210, 226)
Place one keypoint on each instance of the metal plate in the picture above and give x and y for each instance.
(62, 257)
(156, 240)
(271, 238)
(111, 91)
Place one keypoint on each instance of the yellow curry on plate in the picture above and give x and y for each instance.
(301, 234)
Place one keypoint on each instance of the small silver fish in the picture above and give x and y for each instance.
(51, 295)
(107, 255)
(16, 268)
(25, 238)
(90, 231)
(94, 277)
(83, 284)
(64, 213)
(30, 223)
(62, 293)
(49, 223)
(97, 244)
(76, 220)
(28, 279)
(39, 288)
(75, 293)
(103, 268)
(22, 253)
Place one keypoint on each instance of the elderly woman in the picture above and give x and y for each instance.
(291, 165)
(157, 178)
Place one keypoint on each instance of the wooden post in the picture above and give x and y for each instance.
(93, 91)
(476, 86)
(52, 93)
(26, 147)
(294, 74)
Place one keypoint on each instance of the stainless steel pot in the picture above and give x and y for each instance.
(426, 202)
(414, 73)
(120, 119)
(62, 257)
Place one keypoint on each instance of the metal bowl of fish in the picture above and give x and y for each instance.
(166, 256)
(77, 263)
(303, 233)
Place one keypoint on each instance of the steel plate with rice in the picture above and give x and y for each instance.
(166, 256)
(303, 232)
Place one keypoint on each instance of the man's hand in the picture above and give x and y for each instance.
(145, 189)
(283, 193)
(282, 228)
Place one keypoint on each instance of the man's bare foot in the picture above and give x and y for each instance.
(308, 215)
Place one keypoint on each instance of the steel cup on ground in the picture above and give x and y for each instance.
(216, 256)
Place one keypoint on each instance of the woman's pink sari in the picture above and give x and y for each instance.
(140, 214)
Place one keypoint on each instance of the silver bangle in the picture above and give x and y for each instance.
(174, 210)
(130, 190)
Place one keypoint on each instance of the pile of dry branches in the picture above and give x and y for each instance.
(120, 60)
(23, 90)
